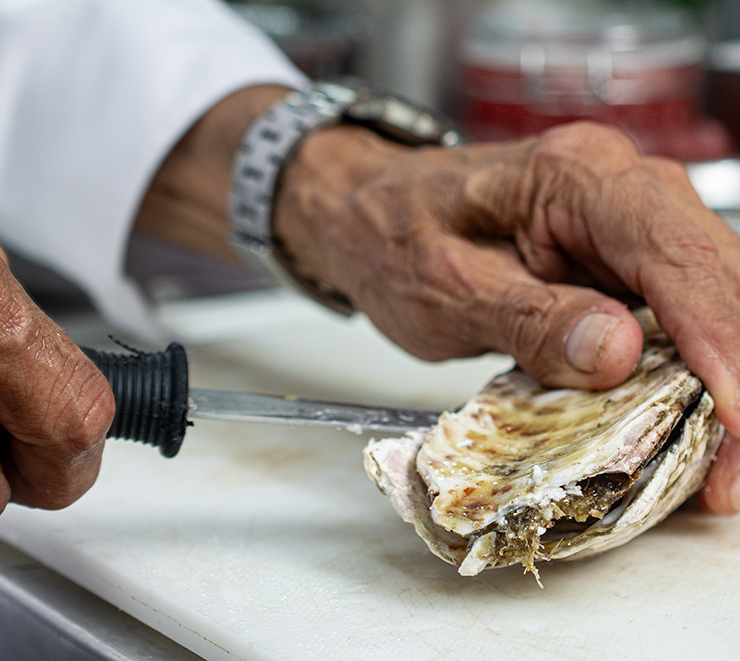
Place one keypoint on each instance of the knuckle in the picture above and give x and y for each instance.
(445, 265)
(19, 327)
(667, 167)
(589, 137)
(86, 408)
(571, 165)
(684, 246)
(526, 318)
(61, 402)
(687, 259)
(637, 177)
(19, 316)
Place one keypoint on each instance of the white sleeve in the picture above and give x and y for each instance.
(93, 95)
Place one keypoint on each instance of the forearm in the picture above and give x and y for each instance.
(456, 252)
(187, 203)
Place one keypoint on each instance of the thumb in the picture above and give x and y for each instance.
(566, 336)
(473, 299)
(562, 335)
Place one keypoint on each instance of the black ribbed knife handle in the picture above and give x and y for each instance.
(151, 392)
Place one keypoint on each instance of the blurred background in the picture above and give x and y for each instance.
(665, 71)
(662, 70)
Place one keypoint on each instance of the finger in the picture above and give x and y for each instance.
(562, 335)
(705, 322)
(456, 299)
(51, 478)
(721, 491)
(675, 179)
(679, 270)
(55, 405)
(643, 221)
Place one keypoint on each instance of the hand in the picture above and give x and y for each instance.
(526, 248)
(486, 248)
(55, 406)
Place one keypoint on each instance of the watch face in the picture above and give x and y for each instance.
(397, 118)
(405, 122)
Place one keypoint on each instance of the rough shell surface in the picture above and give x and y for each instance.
(518, 447)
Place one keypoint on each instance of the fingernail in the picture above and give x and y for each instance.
(735, 494)
(587, 339)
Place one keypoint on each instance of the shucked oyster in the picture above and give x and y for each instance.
(523, 473)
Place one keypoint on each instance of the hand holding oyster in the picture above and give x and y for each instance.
(523, 473)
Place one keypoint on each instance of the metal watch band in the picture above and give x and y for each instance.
(272, 139)
(265, 148)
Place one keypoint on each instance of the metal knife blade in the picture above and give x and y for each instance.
(271, 409)
(154, 401)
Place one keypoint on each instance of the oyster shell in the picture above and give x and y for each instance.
(522, 473)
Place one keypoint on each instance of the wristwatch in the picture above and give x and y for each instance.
(273, 138)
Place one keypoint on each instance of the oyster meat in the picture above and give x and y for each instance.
(523, 473)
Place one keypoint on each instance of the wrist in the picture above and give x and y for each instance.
(187, 203)
(315, 194)
(338, 162)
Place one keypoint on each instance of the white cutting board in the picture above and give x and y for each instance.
(267, 543)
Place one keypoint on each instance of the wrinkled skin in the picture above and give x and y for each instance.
(487, 248)
(526, 248)
(55, 407)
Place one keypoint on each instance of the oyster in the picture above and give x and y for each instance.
(523, 473)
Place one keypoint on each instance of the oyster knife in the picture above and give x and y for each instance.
(154, 403)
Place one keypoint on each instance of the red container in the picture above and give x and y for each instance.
(723, 86)
(532, 64)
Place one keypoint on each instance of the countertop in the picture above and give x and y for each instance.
(265, 543)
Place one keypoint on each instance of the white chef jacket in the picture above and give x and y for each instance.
(93, 96)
